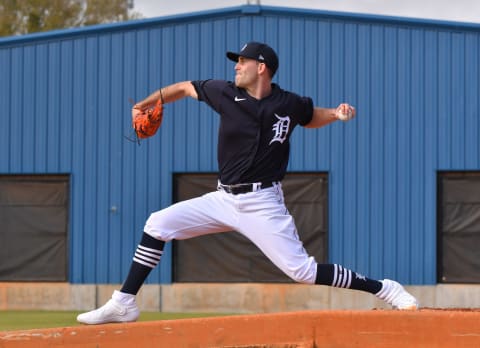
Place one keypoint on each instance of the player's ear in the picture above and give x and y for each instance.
(262, 68)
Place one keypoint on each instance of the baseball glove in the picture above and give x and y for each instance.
(146, 122)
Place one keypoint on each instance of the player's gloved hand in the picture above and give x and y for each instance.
(147, 121)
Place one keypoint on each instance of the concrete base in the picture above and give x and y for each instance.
(225, 298)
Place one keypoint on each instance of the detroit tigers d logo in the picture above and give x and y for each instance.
(280, 128)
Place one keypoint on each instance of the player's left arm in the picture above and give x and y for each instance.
(168, 94)
(324, 116)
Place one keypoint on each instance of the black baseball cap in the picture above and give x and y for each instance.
(260, 52)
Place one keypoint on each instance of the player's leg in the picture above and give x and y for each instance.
(192, 218)
(388, 290)
(267, 223)
(273, 230)
(286, 251)
(199, 216)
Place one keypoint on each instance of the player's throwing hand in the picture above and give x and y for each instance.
(345, 112)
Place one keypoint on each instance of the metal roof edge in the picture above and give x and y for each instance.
(365, 17)
(237, 10)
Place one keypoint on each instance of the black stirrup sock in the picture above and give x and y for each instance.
(147, 256)
(340, 277)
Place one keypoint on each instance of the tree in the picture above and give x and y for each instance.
(29, 16)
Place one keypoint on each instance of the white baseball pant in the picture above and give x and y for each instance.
(260, 216)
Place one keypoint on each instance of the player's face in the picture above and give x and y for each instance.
(246, 71)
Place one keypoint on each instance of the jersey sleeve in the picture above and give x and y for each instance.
(210, 92)
(304, 112)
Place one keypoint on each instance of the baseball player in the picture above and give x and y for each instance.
(257, 118)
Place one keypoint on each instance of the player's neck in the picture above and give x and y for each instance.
(260, 90)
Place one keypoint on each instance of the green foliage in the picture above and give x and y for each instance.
(29, 16)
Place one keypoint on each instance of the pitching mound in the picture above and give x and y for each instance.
(308, 329)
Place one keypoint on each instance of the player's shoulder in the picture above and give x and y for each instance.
(213, 91)
(287, 95)
(297, 106)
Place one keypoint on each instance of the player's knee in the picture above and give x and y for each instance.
(304, 275)
(154, 226)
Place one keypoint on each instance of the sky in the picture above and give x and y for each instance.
(446, 10)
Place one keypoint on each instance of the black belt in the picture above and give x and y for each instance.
(245, 188)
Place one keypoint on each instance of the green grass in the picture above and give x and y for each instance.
(21, 320)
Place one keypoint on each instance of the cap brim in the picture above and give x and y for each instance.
(233, 56)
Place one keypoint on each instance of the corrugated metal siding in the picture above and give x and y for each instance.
(64, 101)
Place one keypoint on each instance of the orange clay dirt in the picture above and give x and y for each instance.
(306, 329)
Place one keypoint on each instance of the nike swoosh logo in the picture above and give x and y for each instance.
(237, 99)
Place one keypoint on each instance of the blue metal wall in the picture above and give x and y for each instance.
(64, 109)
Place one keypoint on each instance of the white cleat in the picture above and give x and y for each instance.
(111, 312)
(394, 294)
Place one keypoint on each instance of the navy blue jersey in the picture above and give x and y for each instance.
(253, 139)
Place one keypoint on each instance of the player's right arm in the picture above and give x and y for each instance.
(168, 94)
(324, 116)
